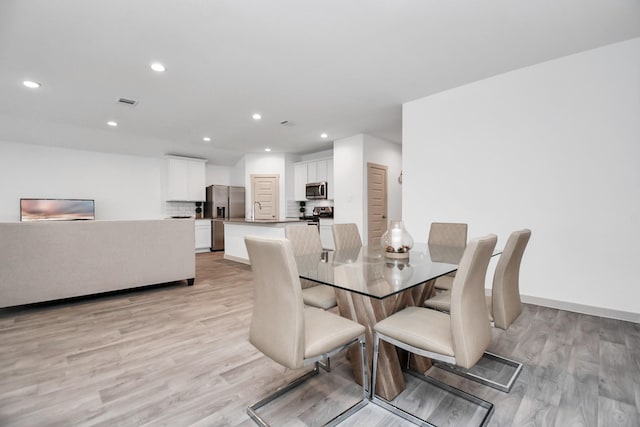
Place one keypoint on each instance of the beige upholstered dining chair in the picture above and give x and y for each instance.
(451, 235)
(346, 236)
(504, 305)
(306, 240)
(460, 338)
(287, 331)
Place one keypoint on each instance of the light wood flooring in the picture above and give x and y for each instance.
(177, 355)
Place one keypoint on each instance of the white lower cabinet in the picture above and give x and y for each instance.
(203, 235)
(326, 234)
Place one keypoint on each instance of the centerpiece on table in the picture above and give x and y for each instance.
(396, 241)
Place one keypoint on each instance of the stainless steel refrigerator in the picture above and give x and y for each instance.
(217, 203)
(223, 203)
(236, 203)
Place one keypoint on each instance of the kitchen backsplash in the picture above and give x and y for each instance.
(180, 208)
(293, 207)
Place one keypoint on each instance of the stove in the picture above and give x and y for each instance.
(323, 211)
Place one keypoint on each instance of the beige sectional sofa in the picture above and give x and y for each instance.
(43, 261)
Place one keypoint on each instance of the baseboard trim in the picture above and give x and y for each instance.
(236, 259)
(580, 308)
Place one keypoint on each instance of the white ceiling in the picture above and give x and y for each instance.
(337, 66)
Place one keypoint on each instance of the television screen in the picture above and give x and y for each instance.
(56, 209)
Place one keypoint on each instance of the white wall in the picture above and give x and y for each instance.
(350, 159)
(388, 154)
(123, 186)
(554, 147)
(267, 164)
(348, 191)
(218, 175)
(237, 176)
(289, 182)
(317, 155)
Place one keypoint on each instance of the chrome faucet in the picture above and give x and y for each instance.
(254, 208)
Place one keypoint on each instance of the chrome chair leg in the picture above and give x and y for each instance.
(469, 374)
(251, 410)
(326, 366)
(487, 406)
(365, 389)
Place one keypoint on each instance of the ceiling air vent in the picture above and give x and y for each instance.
(129, 102)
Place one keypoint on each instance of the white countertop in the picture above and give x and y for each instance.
(265, 221)
(236, 230)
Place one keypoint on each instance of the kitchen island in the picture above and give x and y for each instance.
(236, 229)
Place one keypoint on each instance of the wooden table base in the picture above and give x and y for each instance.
(368, 311)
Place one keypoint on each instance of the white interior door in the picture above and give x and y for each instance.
(265, 197)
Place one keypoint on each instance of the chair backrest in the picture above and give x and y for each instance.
(346, 236)
(470, 326)
(448, 234)
(505, 296)
(277, 322)
(305, 239)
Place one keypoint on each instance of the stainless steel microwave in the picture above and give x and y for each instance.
(316, 190)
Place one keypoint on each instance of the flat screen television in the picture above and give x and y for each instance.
(57, 209)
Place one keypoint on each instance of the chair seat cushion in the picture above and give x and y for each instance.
(444, 282)
(440, 301)
(420, 327)
(305, 283)
(320, 296)
(325, 331)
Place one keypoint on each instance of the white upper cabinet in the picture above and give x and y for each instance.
(178, 173)
(319, 169)
(187, 179)
(312, 171)
(196, 188)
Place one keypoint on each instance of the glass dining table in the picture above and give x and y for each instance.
(370, 287)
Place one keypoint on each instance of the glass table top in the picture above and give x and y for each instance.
(368, 272)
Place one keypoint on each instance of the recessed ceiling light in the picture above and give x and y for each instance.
(323, 135)
(206, 139)
(267, 149)
(31, 84)
(156, 66)
(112, 123)
(256, 116)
